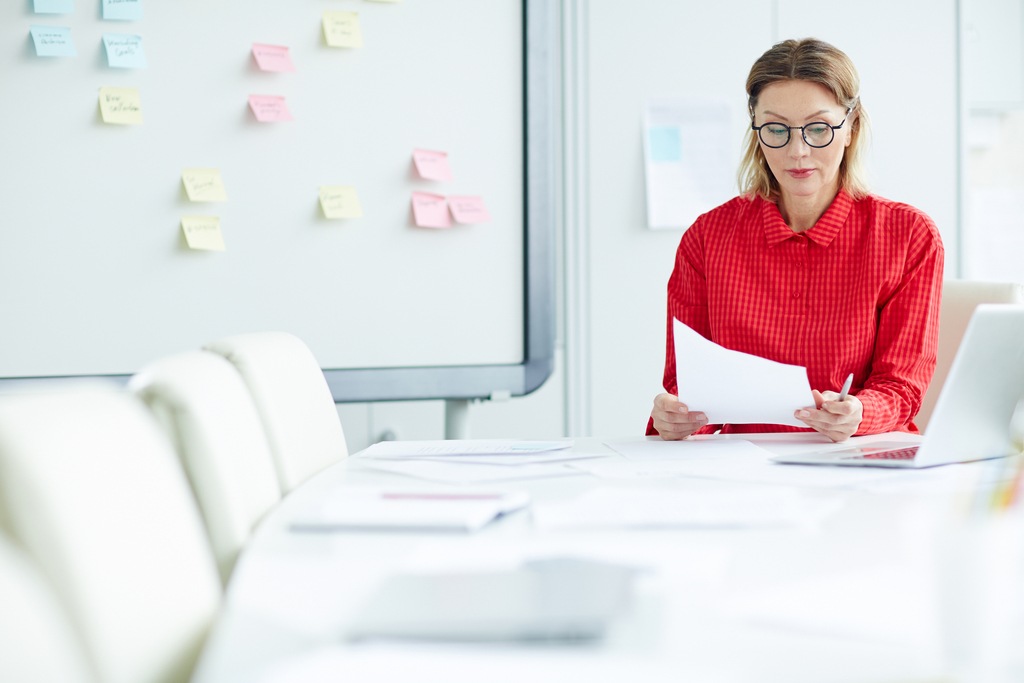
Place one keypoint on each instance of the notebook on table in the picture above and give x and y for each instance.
(972, 416)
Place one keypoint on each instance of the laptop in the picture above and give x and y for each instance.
(972, 416)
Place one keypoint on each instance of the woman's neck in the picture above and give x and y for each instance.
(801, 213)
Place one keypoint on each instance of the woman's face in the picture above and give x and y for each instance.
(803, 171)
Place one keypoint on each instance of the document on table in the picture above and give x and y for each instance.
(470, 473)
(371, 509)
(735, 387)
(460, 447)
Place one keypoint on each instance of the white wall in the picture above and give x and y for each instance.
(614, 270)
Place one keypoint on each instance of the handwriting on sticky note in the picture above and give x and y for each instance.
(121, 106)
(122, 10)
(204, 185)
(341, 29)
(340, 201)
(124, 51)
(431, 164)
(466, 209)
(269, 108)
(53, 41)
(53, 6)
(202, 232)
(272, 57)
(430, 210)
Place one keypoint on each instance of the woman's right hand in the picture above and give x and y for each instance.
(673, 419)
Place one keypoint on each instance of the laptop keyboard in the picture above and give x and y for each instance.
(907, 453)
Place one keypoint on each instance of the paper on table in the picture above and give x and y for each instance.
(454, 473)
(735, 387)
(414, 449)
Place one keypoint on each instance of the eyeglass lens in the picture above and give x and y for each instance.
(818, 134)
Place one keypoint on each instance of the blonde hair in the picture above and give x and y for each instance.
(818, 62)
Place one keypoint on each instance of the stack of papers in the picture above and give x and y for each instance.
(373, 509)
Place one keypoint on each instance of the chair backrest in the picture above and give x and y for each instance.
(959, 299)
(292, 397)
(206, 410)
(38, 643)
(92, 489)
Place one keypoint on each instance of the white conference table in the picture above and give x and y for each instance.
(847, 596)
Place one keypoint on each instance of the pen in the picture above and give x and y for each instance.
(846, 387)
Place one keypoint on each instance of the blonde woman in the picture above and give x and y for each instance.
(807, 267)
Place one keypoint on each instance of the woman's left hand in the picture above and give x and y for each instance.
(838, 420)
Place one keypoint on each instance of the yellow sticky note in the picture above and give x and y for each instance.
(340, 201)
(203, 232)
(341, 29)
(121, 106)
(204, 185)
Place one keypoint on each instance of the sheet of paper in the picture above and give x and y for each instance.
(431, 164)
(734, 387)
(204, 185)
(468, 210)
(272, 57)
(124, 51)
(517, 460)
(450, 447)
(121, 106)
(122, 10)
(53, 6)
(203, 232)
(725, 507)
(53, 41)
(341, 29)
(688, 153)
(340, 201)
(269, 108)
(455, 473)
(430, 210)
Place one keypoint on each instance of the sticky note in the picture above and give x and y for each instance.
(121, 106)
(269, 108)
(466, 209)
(122, 10)
(272, 57)
(665, 142)
(202, 232)
(124, 51)
(53, 41)
(53, 6)
(432, 165)
(204, 185)
(340, 201)
(430, 210)
(341, 29)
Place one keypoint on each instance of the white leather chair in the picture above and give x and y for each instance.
(206, 410)
(959, 299)
(92, 489)
(292, 397)
(38, 643)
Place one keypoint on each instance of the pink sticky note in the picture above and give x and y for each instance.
(272, 57)
(468, 209)
(430, 210)
(432, 165)
(269, 108)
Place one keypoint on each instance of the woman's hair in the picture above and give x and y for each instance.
(818, 62)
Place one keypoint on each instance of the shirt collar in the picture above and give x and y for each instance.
(822, 233)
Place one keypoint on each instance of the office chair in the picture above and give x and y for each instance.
(959, 299)
(91, 488)
(206, 410)
(292, 397)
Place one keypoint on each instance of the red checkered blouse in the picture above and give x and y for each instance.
(859, 292)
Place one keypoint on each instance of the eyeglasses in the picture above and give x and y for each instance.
(818, 134)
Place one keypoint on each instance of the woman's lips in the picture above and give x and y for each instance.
(800, 172)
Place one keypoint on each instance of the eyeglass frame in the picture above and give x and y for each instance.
(803, 135)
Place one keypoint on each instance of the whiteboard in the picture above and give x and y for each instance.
(97, 278)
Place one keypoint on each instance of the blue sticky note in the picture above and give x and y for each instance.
(122, 10)
(665, 143)
(53, 6)
(53, 41)
(124, 51)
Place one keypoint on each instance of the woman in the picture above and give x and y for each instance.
(806, 267)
